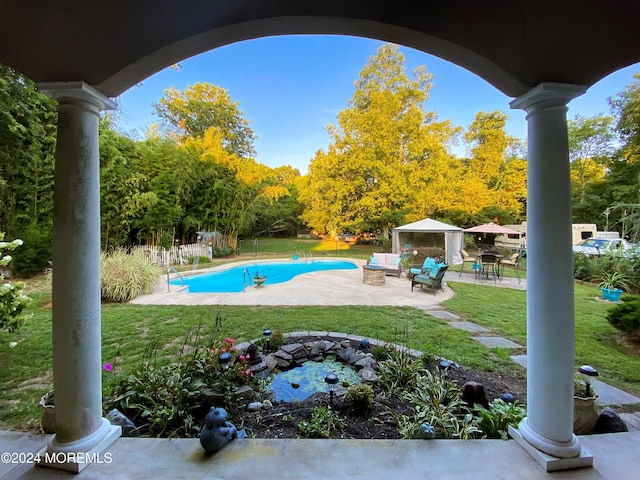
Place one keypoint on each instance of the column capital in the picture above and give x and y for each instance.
(548, 94)
(79, 91)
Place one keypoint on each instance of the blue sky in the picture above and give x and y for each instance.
(290, 87)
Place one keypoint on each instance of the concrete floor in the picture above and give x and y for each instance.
(616, 456)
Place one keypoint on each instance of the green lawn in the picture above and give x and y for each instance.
(317, 248)
(597, 343)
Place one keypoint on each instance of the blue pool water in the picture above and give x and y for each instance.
(231, 280)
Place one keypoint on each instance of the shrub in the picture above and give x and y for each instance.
(123, 277)
(34, 255)
(198, 260)
(495, 421)
(625, 316)
(436, 401)
(322, 424)
(382, 352)
(360, 396)
(222, 251)
(172, 400)
(399, 373)
(12, 301)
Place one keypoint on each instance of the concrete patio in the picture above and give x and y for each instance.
(332, 287)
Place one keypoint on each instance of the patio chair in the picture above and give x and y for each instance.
(433, 280)
(425, 268)
(489, 263)
(465, 259)
(513, 262)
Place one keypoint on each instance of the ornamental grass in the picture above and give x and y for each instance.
(123, 276)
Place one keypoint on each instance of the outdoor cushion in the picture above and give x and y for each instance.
(395, 261)
(436, 269)
(373, 260)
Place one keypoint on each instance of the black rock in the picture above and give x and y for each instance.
(609, 422)
(473, 393)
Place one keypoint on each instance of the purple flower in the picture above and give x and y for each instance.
(107, 367)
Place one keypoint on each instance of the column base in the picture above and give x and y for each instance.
(75, 456)
(549, 462)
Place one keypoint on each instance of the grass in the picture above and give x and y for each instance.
(317, 248)
(597, 343)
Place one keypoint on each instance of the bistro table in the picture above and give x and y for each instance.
(489, 263)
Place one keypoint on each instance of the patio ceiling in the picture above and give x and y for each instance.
(514, 45)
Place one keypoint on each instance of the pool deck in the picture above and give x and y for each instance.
(330, 287)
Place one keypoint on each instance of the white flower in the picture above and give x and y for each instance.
(17, 242)
(13, 344)
(415, 252)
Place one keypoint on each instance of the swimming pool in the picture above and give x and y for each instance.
(276, 272)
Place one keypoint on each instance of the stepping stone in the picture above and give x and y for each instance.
(609, 395)
(495, 342)
(632, 420)
(443, 314)
(468, 326)
(520, 360)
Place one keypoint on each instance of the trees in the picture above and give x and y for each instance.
(590, 146)
(203, 106)
(27, 140)
(363, 181)
(494, 166)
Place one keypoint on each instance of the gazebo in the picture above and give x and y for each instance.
(428, 233)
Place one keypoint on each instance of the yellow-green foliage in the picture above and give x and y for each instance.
(123, 277)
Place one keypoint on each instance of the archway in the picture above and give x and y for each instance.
(542, 58)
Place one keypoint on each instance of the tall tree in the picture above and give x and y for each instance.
(590, 146)
(203, 106)
(494, 168)
(27, 140)
(363, 181)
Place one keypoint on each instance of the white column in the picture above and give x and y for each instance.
(77, 374)
(550, 306)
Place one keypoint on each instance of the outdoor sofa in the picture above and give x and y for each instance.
(390, 262)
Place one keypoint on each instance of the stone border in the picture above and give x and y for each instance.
(336, 337)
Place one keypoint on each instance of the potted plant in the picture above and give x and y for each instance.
(585, 413)
(406, 264)
(613, 284)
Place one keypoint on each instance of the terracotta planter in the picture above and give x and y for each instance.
(585, 415)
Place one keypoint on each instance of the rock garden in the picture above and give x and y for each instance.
(391, 391)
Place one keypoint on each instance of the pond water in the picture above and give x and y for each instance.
(234, 279)
(310, 379)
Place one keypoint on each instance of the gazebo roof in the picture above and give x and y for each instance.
(427, 225)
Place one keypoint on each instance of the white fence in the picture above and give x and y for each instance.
(174, 256)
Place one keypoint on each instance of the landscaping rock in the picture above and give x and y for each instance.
(292, 348)
(368, 375)
(609, 422)
(242, 396)
(367, 362)
(344, 354)
(129, 429)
